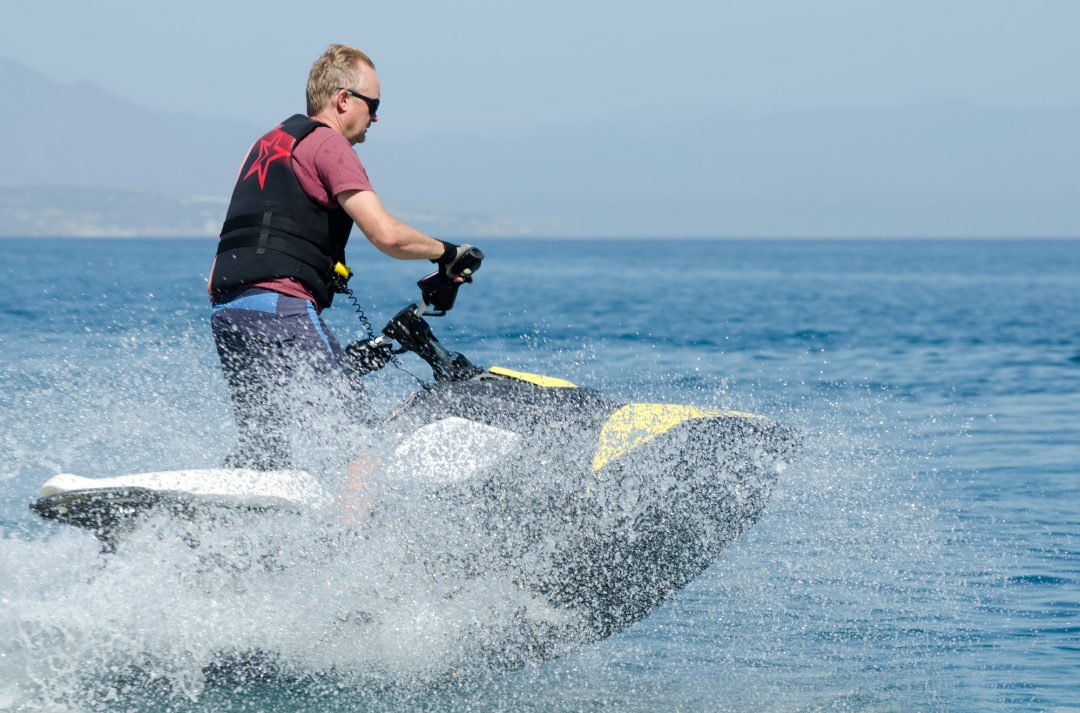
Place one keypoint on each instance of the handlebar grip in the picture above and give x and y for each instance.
(468, 263)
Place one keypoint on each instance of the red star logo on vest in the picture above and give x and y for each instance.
(275, 146)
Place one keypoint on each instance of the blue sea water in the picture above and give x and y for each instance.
(923, 553)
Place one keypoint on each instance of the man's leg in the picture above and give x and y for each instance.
(325, 396)
(256, 376)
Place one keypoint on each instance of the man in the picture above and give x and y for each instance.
(281, 256)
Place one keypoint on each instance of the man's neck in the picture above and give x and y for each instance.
(330, 119)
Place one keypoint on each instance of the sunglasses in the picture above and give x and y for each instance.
(372, 104)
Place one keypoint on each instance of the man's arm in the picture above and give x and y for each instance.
(386, 232)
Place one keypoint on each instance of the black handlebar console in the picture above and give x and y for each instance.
(414, 334)
(409, 328)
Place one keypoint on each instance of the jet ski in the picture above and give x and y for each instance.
(643, 496)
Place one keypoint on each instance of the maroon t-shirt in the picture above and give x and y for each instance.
(325, 165)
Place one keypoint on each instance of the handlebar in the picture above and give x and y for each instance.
(410, 330)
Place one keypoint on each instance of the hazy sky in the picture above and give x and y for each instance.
(484, 64)
(513, 71)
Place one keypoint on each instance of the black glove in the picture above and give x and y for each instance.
(452, 265)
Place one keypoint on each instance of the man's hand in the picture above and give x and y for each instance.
(458, 262)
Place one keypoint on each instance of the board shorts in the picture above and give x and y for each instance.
(284, 369)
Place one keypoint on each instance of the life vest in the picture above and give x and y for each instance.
(273, 229)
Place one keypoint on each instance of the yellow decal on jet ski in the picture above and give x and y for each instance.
(634, 425)
(546, 381)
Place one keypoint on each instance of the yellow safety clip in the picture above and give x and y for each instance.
(342, 270)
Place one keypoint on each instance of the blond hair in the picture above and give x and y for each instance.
(338, 67)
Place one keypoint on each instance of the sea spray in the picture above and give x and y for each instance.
(915, 556)
(434, 588)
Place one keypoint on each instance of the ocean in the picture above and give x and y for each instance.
(921, 554)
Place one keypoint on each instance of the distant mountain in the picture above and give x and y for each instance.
(78, 135)
(88, 211)
(80, 161)
(929, 170)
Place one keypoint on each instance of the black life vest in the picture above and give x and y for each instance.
(273, 229)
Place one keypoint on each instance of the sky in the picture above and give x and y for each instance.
(630, 116)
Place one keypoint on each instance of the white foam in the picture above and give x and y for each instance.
(226, 485)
